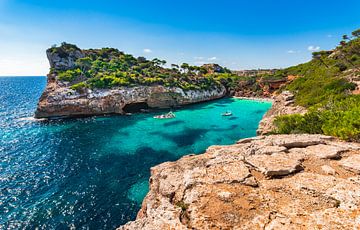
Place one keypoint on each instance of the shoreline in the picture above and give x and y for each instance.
(261, 99)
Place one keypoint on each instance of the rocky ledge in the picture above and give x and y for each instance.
(283, 104)
(266, 182)
(59, 100)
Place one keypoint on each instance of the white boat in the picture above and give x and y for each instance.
(168, 115)
(227, 113)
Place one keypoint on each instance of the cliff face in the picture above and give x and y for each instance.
(266, 182)
(58, 100)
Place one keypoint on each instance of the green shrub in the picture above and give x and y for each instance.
(340, 118)
(69, 75)
(79, 86)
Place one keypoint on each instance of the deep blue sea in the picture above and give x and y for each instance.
(93, 172)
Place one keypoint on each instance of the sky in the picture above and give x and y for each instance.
(238, 34)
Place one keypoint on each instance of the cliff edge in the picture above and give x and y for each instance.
(266, 182)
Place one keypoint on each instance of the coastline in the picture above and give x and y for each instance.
(261, 99)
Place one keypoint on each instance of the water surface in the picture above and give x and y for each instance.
(93, 172)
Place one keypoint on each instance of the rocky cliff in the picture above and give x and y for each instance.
(265, 182)
(283, 104)
(61, 99)
(58, 100)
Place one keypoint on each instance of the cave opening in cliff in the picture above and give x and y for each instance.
(136, 107)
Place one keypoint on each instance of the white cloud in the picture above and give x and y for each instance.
(212, 58)
(313, 48)
(291, 51)
(329, 36)
(147, 51)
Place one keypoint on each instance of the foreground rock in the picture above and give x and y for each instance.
(283, 105)
(266, 182)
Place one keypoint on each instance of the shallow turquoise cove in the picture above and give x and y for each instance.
(93, 172)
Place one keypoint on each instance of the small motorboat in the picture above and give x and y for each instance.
(168, 115)
(227, 113)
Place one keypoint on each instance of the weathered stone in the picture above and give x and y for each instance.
(232, 187)
(277, 164)
(351, 163)
(325, 151)
(299, 141)
(328, 170)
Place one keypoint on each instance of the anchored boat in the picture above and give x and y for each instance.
(227, 113)
(168, 115)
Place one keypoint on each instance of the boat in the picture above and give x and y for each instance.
(168, 115)
(227, 113)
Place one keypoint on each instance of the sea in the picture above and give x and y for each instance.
(92, 173)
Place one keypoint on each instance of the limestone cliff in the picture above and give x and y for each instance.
(265, 182)
(58, 100)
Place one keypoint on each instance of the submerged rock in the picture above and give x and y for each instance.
(267, 182)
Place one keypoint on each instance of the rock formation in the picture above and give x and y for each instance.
(266, 182)
(58, 100)
(283, 104)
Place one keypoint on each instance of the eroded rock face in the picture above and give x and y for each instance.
(64, 61)
(266, 182)
(283, 105)
(58, 100)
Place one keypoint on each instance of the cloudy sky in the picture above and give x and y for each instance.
(238, 34)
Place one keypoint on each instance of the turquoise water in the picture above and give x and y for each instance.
(93, 172)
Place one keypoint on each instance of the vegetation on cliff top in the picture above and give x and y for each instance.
(326, 87)
(109, 67)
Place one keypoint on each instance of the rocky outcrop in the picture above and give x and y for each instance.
(58, 100)
(283, 104)
(64, 59)
(267, 182)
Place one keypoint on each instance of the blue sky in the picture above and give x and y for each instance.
(237, 34)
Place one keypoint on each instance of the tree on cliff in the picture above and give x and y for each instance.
(356, 33)
(185, 67)
(84, 64)
(319, 56)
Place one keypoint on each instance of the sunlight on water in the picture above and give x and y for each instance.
(94, 171)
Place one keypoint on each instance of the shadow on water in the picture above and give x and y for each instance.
(171, 123)
(226, 129)
(186, 138)
(259, 111)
